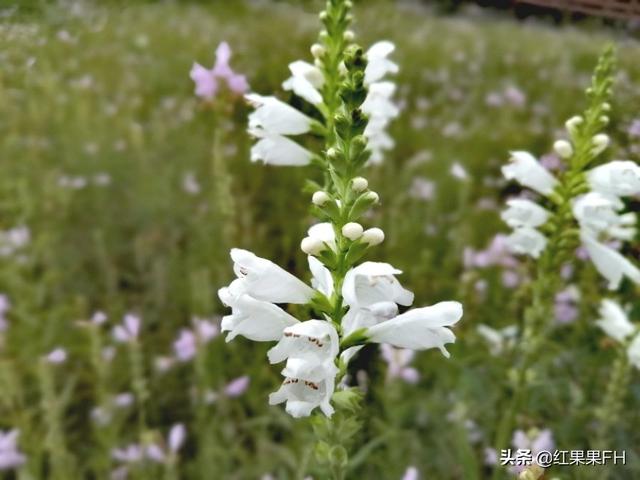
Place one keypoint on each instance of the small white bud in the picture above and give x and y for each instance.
(320, 198)
(349, 36)
(606, 106)
(563, 148)
(599, 142)
(359, 184)
(318, 63)
(332, 153)
(572, 123)
(604, 119)
(317, 50)
(373, 197)
(311, 246)
(352, 231)
(373, 236)
(323, 15)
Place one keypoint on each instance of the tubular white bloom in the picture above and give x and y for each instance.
(373, 236)
(322, 279)
(310, 349)
(614, 321)
(305, 81)
(563, 148)
(373, 282)
(303, 396)
(323, 232)
(610, 263)
(254, 319)
(378, 105)
(526, 241)
(420, 328)
(266, 281)
(379, 141)
(620, 178)
(378, 65)
(366, 317)
(633, 351)
(524, 213)
(311, 246)
(597, 212)
(273, 116)
(352, 231)
(278, 150)
(528, 172)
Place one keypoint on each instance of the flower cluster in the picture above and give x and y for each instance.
(615, 322)
(584, 205)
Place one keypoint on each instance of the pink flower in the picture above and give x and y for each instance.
(208, 81)
(129, 330)
(237, 387)
(411, 473)
(57, 356)
(398, 360)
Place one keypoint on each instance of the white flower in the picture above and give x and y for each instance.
(524, 213)
(279, 150)
(620, 178)
(322, 279)
(597, 212)
(369, 316)
(275, 117)
(633, 351)
(498, 340)
(305, 81)
(378, 65)
(310, 349)
(378, 105)
(610, 263)
(526, 241)
(528, 172)
(254, 319)
(379, 140)
(324, 233)
(614, 321)
(352, 230)
(419, 328)
(373, 236)
(303, 396)
(264, 280)
(374, 282)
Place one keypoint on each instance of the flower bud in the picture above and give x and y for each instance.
(373, 236)
(563, 148)
(332, 153)
(352, 231)
(320, 198)
(606, 106)
(349, 36)
(359, 184)
(323, 15)
(317, 50)
(599, 142)
(573, 123)
(311, 246)
(373, 197)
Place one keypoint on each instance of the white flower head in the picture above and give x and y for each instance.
(324, 233)
(611, 264)
(264, 280)
(420, 328)
(254, 319)
(526, 241)
(273, 149)
(524, 213)
(378, 63)
(596, 211)
(614, 320)
(273, 116)
(373, 282)
(302, 396)
(528, 172)
(310, 349)
(619, 177)
(305, 81)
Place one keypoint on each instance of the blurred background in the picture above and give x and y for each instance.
(121, 192)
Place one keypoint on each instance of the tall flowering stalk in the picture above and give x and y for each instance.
(353, 304)
(580, 207)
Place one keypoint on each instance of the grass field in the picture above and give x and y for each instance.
(133, 192)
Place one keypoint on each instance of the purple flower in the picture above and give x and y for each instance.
(5, 304)
(129, 330)
(535, 440)
(177, 436)
(565, 308)
(98, 318)
(237, 387)
(411, 473)
(57, 356)
(634, 128)
(398, 360)
(10, 456)
(185, 346)
(130, 454)
(208, 81)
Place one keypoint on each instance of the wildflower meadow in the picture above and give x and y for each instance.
(317, 240)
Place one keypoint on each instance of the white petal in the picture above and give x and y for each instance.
(633, 351)
(614, 321)
(313, 340)
(322, 279)
(323, 232)
(374, 282)
(378, 65)
(610, 263)
(279, 150)
(273, 116)
(305, 81)
(528, 172)
(264, 280)
(526, 241)
(620, 177)
(524, 213)
(420, 328)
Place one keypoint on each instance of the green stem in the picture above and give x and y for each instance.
(139, 385)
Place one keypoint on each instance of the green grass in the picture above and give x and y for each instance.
(105, 89)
